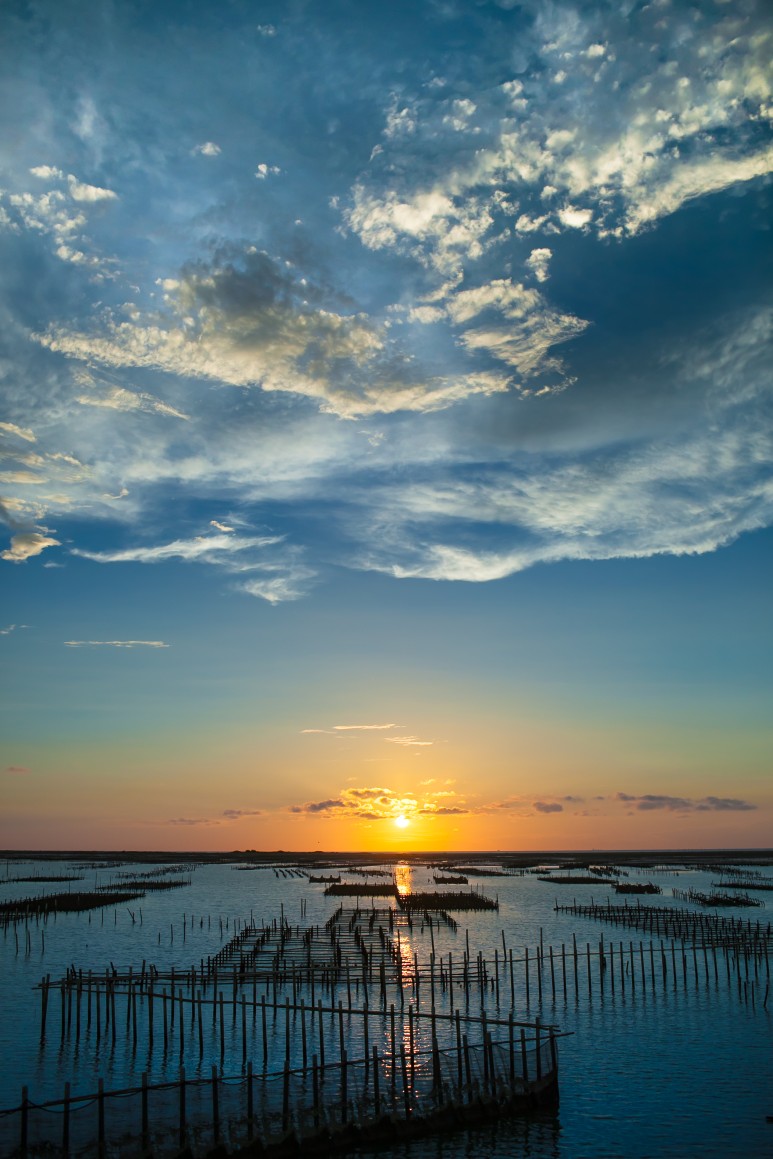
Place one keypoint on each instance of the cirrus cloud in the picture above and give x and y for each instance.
(115, 644)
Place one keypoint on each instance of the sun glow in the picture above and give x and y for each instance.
(402, 821)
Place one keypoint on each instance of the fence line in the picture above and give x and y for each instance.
(401, 1085)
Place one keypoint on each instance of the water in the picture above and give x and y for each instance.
(678, 1071)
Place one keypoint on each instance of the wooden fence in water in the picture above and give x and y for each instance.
(355, 960)
(319, 1106)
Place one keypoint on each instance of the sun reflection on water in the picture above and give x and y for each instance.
(403, 878)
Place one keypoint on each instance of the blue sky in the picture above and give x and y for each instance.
(403, 365)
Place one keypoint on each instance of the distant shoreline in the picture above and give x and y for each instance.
(514, 858)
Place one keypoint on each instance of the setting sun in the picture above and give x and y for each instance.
(402, 821)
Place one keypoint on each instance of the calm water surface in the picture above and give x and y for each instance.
(677, 1072)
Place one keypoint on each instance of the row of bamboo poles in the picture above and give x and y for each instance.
(681, 924)
(370, 1095)
(90, 999)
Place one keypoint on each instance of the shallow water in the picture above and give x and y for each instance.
(678, 1070)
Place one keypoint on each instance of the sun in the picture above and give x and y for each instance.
(402, 821)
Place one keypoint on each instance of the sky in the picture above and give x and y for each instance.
(386, 425)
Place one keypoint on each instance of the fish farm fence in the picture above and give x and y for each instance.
(375, 1098)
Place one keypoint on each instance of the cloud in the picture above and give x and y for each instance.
(412, 300)
(538, 261)
(80, 191)
(378, 803)
(363, 727)
(17, 770)
(220, 526)
(274, 568)
(687, 492)
(120, 399)
(442, 811)
(575, 218)
(27, 477)
(62, 215)
(115, 644)
(318, 806)
(48, 213)
(189, 821)
(20, 432)
(649, 802)
(249, 320)
(724, 804)
(531, 326)
(11, 628)
(208, 549)
(292, 584)
(408, 741)
(27, 544)
(688, 121)
(237, 814)
(522, 807)
(207, 149)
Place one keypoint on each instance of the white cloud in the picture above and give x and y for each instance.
(80, 191)
(575, 218)
(408, 741)
(264, 170)
(27, 478)
(531, 327)
(465, 191)
(48, 213)
(61, 214)
(364, 727)
(693, 179)
(272, 569)
(289, 582)
(118, 398)
(673, 498)
(27, 544)
(255, 323)
(115, 644)
(20, 432)
(649, 130)
(207, 549)
(538, 262)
